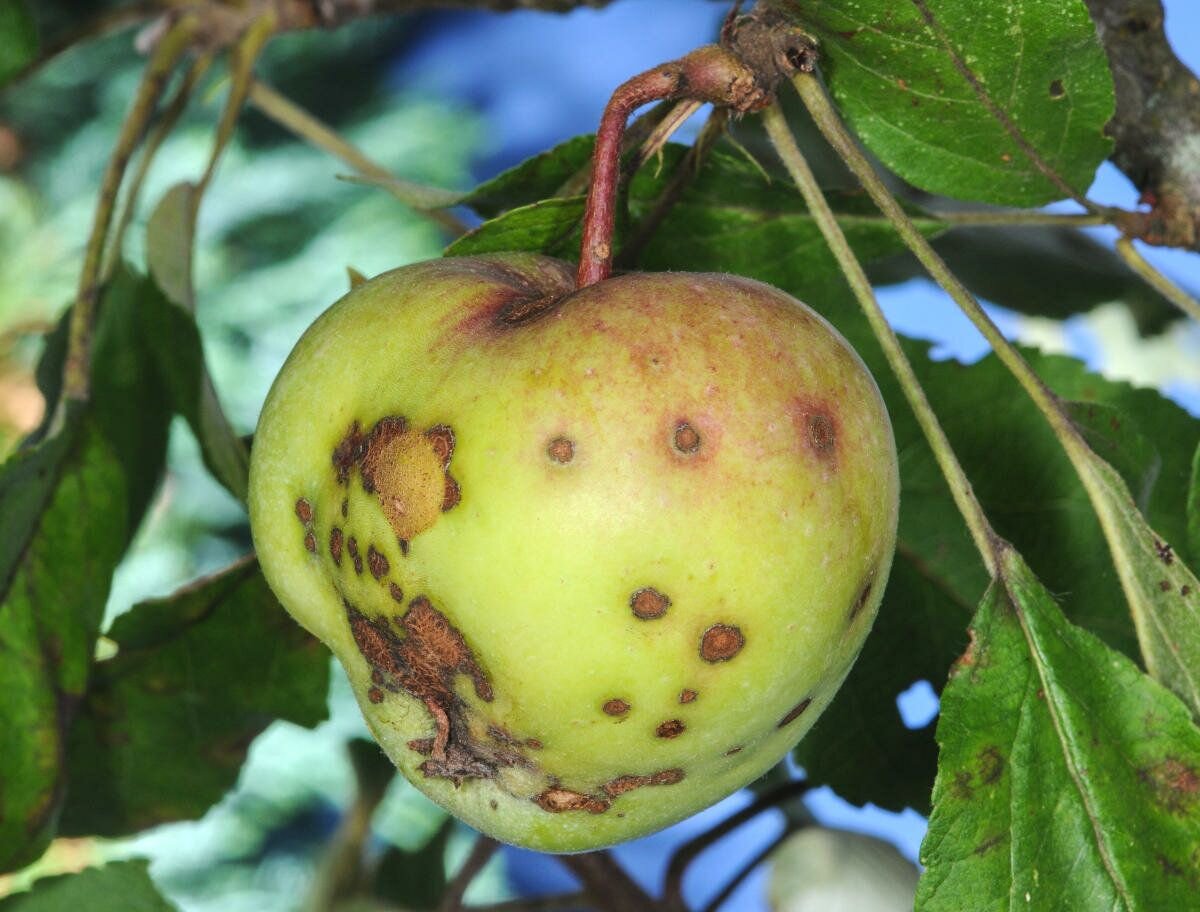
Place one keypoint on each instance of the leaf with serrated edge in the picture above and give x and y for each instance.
(1067, 779)
(120, 886)
(62, 529)
(927, 83)
(167, 721)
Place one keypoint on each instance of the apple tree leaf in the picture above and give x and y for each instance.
(63, 524)
(120, 886)
(18, 38)
(1067, 779)
(168, 719)
(960, 100)
(1193, 507)
(536, 178)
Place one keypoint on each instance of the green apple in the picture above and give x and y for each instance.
(592, 559)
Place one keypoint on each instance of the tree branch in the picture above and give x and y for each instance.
(1157, 125)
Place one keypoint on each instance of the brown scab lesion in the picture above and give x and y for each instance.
(377, 563)
(672, 728)
(304, 511)
(423, 654)
(687, 695)
(561, 450)
(863, 597)
(396, 593)
(721, 642)
(821, 435)
(615, 707)
(795, 712)
(406, 470)
(355, 557)
(733, 751)
(685, 439)
(648, 603)
(310, 541)
(335, 545)
(556, 800)
(622, 784)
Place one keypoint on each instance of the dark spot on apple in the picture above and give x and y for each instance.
(533, 744)
(452, 495)
(686, 439)
(648, 603)
(795, 712)
(820, 434)
(721, 642)
(556, 800)
(352, 549)
(733, 750)
(348, 452)
(561, 450)
(687, 696)
(860, 600)
(615, 707)
(310, 541)
(525, 310)
(396, 592)
(1056, 89)
(672, 728)
(423, 654)
(442, 438)
(335, 545)
(403, 543)
(304, 510)
(494, 804)
(616, 787)
(377, 563)
(375, 695)
(345, 508)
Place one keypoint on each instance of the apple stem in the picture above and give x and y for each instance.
(708, 74)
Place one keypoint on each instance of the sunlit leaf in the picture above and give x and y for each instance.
(1067, 780)
(121, 886)
(953, 94)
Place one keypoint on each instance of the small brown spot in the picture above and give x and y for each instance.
(345, 508)
(375, 695)
(687, 696)
(494, 804)
(623, 784)
(1185, 591)
(561, 450)
(795, 712)
(1176, 785)
(352, 548)
(615, 707)
(403, 543)
(686, 439)
(377, 563)
(987, 845)
(533, 744)
(991, 765)
(1056, 89)
(821, 434)
(335, 545)
(649, 603)
(442, 438)
(349, 451)
(526, 310)
(310, 541)
(721, 642)
(396, 592)
(1164, 585)
(304, 510)
(860, 601)
(733, 750)
(672, 728)
(556, 800)
(452, 495)
(1165, 554)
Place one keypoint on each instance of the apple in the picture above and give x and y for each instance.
(592, 559)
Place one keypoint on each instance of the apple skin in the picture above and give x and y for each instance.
(592, 560)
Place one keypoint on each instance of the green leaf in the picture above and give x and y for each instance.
(536, 178)
(63, 524)
(1193, 508)
(1121, 444)
(120, 886)
(926, 84)
(1023, 268)
(170, 236)
(18, 39)
(414, 880)
(196, 677)
(547, 226)
(1067, 778)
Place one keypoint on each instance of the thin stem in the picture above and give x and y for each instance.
(662, 132)
(1156, 280)
(636, 133)
(290, 116)
(1002, 218)
(607, 883)
(481, 853)
(818, 207)
(710, 74)
(167, 121)
(687, 853)
(746, 870)
(170, 50)
(812, 93)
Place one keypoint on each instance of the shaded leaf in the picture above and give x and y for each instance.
(414, 880)
(63, 524)
(1067, 779)
(167, 721)
(18, 39)
(1193, 508)
(1119, 443)
(1026, 269)
(170, 236)
(120, 886)
(536, 178)
(909, 78)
